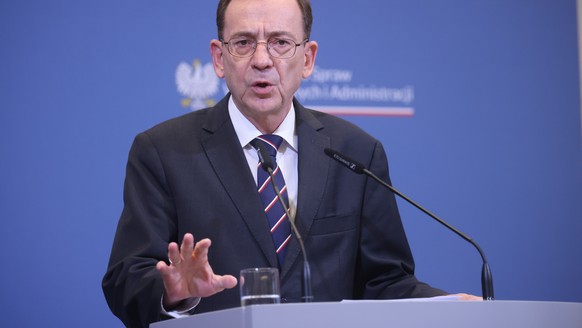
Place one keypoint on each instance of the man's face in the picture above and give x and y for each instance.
(262, 86)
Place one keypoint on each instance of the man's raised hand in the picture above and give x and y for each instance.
(189, 274)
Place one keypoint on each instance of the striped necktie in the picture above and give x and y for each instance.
(276, 215)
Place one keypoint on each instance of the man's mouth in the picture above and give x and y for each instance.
(262, 88)
(262, 84)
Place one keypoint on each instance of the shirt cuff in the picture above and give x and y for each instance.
(181, 310)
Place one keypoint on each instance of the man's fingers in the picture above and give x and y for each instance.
(174, 254)
(227, 281)
(196, 273)
(188, 250)
(201, 250)
(468, 297)
(162, 268)
(187, 246)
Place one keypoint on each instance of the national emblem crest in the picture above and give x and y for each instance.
(197, 83)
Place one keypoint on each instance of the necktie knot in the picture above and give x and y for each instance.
(272, 143)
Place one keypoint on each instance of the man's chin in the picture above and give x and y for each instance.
(266, 105)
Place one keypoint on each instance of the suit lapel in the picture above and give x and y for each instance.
(313, 170)
(228, 160)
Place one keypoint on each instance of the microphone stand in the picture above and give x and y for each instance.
(307, 293)
(267, 165)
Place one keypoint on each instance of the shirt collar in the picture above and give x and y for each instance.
(246, 131)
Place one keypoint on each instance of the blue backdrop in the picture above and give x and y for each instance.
(477, 103)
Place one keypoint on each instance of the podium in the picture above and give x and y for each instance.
(390, 313)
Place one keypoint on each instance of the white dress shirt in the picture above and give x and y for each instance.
(286, 156)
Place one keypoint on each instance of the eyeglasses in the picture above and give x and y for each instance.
(282, 48)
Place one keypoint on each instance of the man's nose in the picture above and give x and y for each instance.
(262, 57)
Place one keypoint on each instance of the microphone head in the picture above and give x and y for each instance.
(346, 161)
(264, 157)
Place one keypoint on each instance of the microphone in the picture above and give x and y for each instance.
(486, 275)
(268, 165)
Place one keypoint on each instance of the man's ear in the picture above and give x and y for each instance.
(310, 53)
(216, 53)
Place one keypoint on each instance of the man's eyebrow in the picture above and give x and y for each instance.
(252, 35)
(243, 34)
(280, 33)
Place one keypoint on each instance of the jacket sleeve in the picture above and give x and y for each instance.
(132, 286)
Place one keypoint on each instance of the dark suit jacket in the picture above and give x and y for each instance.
(189, 174)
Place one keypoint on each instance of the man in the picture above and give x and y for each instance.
(196, 177)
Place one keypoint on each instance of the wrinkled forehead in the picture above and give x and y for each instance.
(263, 19)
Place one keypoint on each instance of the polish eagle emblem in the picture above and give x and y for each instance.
(197, 83)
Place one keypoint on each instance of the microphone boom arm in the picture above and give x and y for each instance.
(486, 275)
